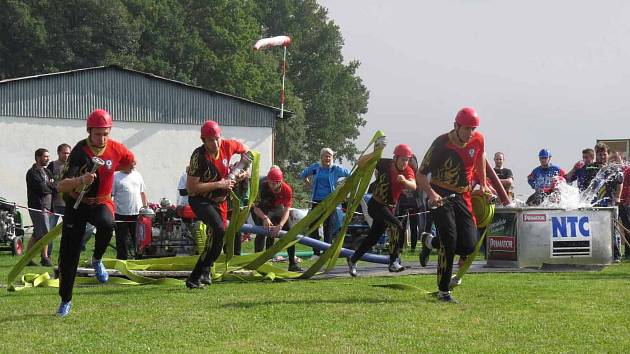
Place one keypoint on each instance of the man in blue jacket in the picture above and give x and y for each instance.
(322, 177)
(544, 178)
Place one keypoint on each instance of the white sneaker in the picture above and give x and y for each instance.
(352, 268)
(396, 267)
(455, 282)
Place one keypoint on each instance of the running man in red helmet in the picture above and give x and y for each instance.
(452, 160)
(393, 175)
(96, 207)
(208, 187)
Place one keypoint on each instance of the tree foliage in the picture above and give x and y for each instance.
(206, 43)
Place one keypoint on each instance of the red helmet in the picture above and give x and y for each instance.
(99, 118)
(275, 175)
(403, 150)
(210, 129)
(467, 117)
(127, 160)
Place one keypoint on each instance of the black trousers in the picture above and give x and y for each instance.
(208, 212)
(414, 225)
(265, 242)
(329, 225)
(72, 236)
(382, 217)
(457, 234)
(125, 235)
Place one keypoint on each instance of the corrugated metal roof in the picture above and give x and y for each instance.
(130, 96)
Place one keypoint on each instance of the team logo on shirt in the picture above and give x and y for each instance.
(225, 162)
(471, 152)
(108, 164)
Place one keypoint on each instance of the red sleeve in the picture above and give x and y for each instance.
(562, 173)
(480, 142)
(289, 200)
(125, 156)
(235, 147)
(409, 174)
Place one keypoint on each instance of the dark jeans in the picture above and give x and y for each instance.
(72, 237)
(126, 235)
(382, 217)
(208, 212)
(457, 234)
(329, 225)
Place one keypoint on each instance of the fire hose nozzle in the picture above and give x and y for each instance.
(96, 163)
(244, 163)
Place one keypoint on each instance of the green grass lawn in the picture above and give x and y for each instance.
(526, 312)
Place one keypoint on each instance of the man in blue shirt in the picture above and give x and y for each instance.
(322, 177)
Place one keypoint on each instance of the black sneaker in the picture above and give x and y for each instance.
(446, 297)
(295, 268)
(206, 279)
(46, 262)
(194, 283)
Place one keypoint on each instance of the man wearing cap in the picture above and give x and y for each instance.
(96, 207)
(271, 210)
(393, 175)
(130, 196)
(452, 160)
(544, 178)
(322, 178)
(208, 186)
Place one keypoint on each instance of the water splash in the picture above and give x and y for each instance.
(568, 196)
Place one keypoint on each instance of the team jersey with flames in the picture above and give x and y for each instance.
(450, 164)
(386, 188)
(214, 168)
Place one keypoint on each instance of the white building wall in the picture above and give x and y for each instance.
(162, 150)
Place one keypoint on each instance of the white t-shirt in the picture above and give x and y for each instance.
(182, 200)
(126, 192)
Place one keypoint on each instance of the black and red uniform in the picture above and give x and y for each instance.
(96, 207)
(451, 167)
(381, 207)
(211, 207)
(273, 204)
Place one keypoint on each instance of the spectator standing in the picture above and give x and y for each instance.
(544, 178)
(58, 205)
(505, 174)
(322, 178)
(129, 192)
(40, 188)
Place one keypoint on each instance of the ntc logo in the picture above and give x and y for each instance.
(570, 226)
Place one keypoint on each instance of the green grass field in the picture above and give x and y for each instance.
(526, 312)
